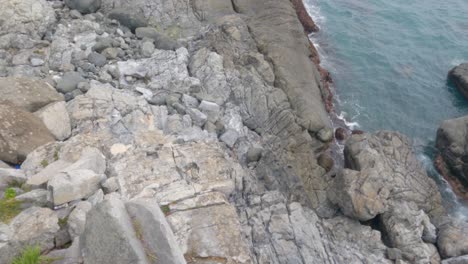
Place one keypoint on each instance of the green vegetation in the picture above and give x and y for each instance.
(32, 255)
(63, 222)
(166, 210)
(56, 154)
(9, 207)
(44, 163)
(10, 193)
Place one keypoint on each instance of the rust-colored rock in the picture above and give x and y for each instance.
(458, 188)
(341, 134)
(306, 21)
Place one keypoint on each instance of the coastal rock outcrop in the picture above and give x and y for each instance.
(459, 76)
(451, 141)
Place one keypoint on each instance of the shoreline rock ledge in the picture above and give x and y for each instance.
(194, 131)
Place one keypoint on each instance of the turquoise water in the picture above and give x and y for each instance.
(389, 61)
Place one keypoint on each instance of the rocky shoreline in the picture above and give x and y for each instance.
(191, 131)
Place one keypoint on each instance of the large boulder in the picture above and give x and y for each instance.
(84, 6)
(73, 185)
(452, 142)
(459, 76)
(55, 117)
(29, 17)
(453, 239)
(110, 237)
(29, 94)
(20, 133)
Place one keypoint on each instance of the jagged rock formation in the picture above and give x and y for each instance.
(459, 76)
(195, 132)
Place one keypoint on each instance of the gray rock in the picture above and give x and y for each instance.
(110, 53)
(29, 17)
(254, 154)
(96, 198)
(102, 44)
(55, 117)
(69, 82)
(110, 185)
(212, 110)
(325, 134)
(97, 59)
(190, 101)
(20, 133)
(459, 76)
(156, 233)
(109, 235)
(452, 140)
(128, 18)
(146, 49)
(229, 137)
(198, 118)
(35, 62)
(453, 239)
(84, 6)
(77, 218)
(161, 41)
(33, 198)
(73, 185)
(75, 14)
(9, 176)
(29, 94)
(457, 260)
(40, 179)
(33, 226)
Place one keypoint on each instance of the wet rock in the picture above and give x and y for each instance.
(459, 76)
(128, 18)
(304, 17)
(55, 117)
(84, 6)
(20, 133)
(341, 134)
(27, 93)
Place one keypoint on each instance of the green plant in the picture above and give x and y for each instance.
(32, 255)
(63, 222)
(9, 208)
(44, 163)
(10, 193)
(56, 154)
(166, 210)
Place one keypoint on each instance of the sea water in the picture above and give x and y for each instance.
(389, 61)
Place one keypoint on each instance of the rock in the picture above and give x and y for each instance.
(20, 133)
(161, 41)
(110, 53)
(3, 165)
(254, 154)
(73, 185)
(325, 135)
(97, 59)
(147, 48)
(55, 117)
(155, 232)
(75, 15)
(36, 62)
(453, 239)
(452, 140)
(457, 260)
(26, 93)
(326, 161)
(459, 76)
(190, 101)
(128, 19)
(110, 185)
(109, 234)
(33, 226)
(212, 110)
(39, 180)
(198, 118)
(29, 17)
(33, 198)
(304, 17)
(84, 6)
(102, 44)
(341, 134)
(77, 218)
(90, 159)
(229, 137)
(69, 82)
(9, 176)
